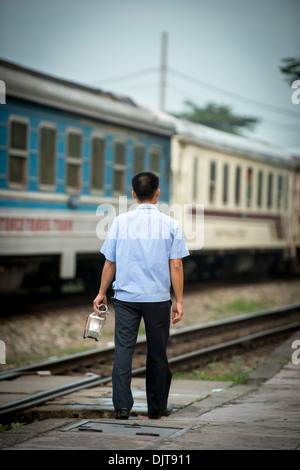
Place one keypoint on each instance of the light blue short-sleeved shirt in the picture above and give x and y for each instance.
(141, 243)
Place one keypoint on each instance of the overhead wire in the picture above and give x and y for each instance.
(234, 95)
(291, 127)
(128, 76)
(150, 70)
(201, 83)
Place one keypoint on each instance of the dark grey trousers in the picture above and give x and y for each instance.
(128, 316)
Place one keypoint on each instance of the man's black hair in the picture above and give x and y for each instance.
(145, 185)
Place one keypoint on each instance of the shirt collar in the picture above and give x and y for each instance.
(147, 206)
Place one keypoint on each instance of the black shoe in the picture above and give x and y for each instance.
(167, 412)
(122, 413)
(154, 416)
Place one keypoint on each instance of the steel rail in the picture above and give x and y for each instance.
(240, 320)
(94, 380)
(211, 351)
(204, 330)
(46, 395)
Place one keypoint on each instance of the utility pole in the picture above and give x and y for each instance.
(163, 71)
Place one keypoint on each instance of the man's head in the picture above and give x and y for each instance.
(145, 186)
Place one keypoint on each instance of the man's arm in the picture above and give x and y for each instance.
(176, 272)
(108, 272)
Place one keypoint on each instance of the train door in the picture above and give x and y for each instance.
(296, 216)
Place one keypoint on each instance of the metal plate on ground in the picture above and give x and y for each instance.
(128, 428)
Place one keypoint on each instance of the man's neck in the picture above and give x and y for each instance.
(147, 202)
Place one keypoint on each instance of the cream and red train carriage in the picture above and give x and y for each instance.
(250, 192)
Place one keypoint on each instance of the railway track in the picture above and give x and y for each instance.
(188, 348)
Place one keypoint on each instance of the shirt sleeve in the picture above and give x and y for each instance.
(109, 246)
(178, 248)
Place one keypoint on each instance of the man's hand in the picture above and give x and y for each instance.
(176, 271)
(177, 312)
(108, 273)
(99, 300)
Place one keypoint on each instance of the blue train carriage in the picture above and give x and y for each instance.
(67, 150)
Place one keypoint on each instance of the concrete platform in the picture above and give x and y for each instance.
(263, 414)
(96, 402)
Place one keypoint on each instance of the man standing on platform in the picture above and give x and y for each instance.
(143, 251)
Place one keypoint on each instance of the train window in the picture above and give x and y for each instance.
(259, 188)
(279, 192)
(73, 160)
(270, 190)
(225, 183)
(97, 163)
(212, 182)
(195, 179)
(119, 184)
(47, 138)
(138, 159)
(154, 160)
(286, 191)
(249, 186)
(18, 152)
(120, 153)
(74, 145)
(237, 185)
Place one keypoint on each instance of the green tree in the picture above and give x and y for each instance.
(217, 116)
(291, 69)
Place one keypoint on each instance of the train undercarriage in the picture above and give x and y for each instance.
(224, 264)
(34, 272)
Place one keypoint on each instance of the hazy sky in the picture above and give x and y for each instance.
(232, 47)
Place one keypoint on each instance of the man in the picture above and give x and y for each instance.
(144, 251)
